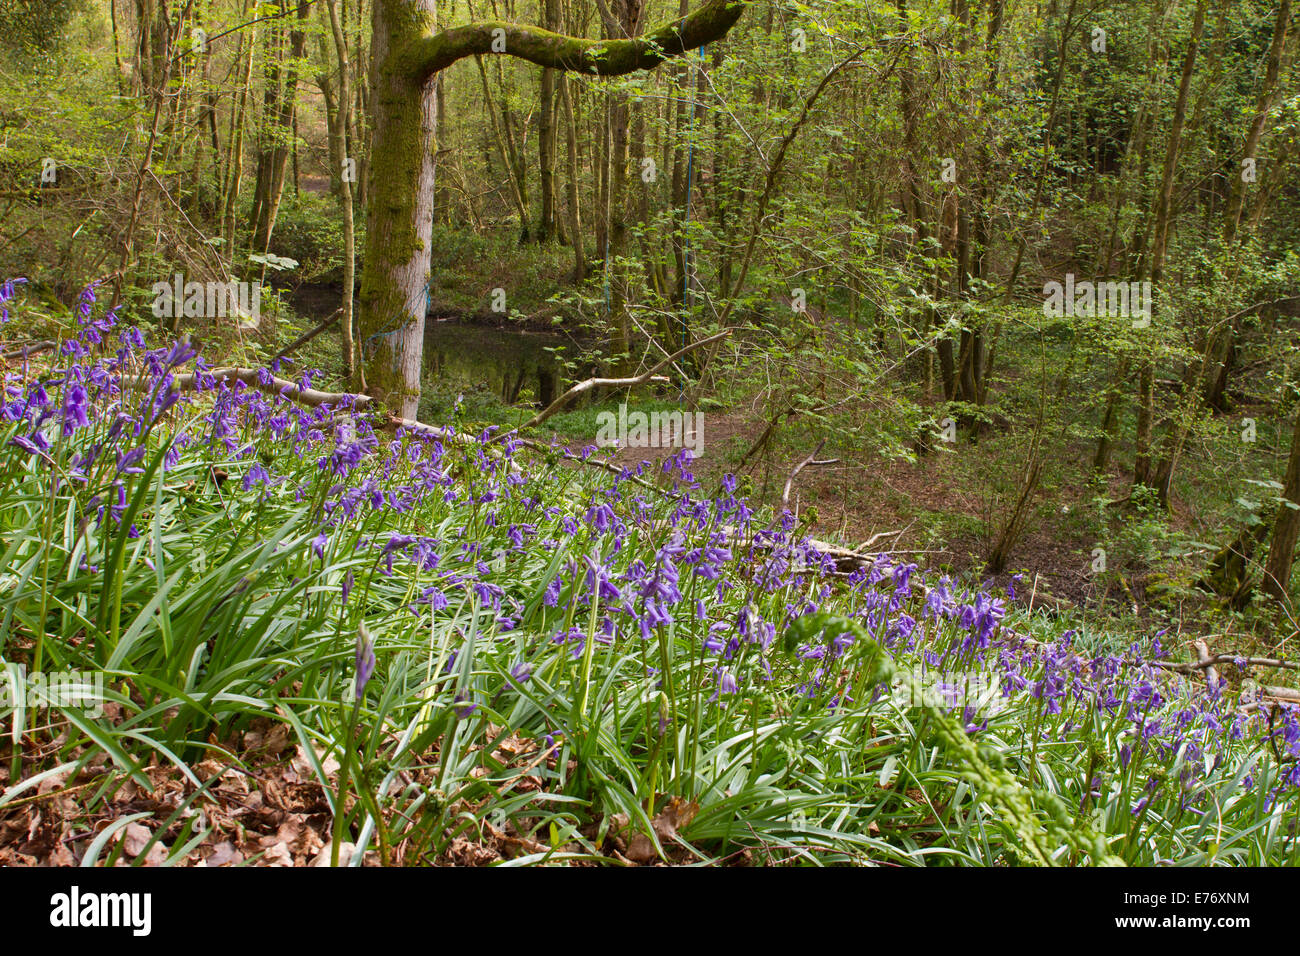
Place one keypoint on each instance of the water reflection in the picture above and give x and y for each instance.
(513, 364)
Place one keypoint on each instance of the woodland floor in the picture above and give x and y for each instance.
(858, 499)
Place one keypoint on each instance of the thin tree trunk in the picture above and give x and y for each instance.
(128, 237)
(1286, 527)
(546, 152)
(1163, 479)
(575, 212)
(273, 162)
(503, 148)
(351, 367)
(235, 164)
(1263, 104)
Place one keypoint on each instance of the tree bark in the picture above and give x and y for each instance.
(546, 139)
(273, 159)
(575, 212)
(338, 146)
(399, 216)
(1221, 349)
(235, 141)
(1286, 528)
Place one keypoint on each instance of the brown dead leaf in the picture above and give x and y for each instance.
(642, 849)
(134, 839)
(270, 738)
(302, 765)
(54, 782)
(224, 854)
(61, 856)
(277, 855)
(464, 853)
(345, 854)
(157, 855)
(207, 769)
(677, 814)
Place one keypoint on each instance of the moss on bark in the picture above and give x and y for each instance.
(431, 53)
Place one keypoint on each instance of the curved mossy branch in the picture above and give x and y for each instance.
(429, 54)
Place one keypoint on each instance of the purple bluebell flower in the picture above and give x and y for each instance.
(365, 659)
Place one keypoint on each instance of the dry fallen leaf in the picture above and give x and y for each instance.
(345, 854)
(302, 765)
(277, 855)
(135, 838)
(224, 854)
(157, 855)
(677, 814)
(642, 849)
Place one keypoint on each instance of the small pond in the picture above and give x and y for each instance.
(512, 364)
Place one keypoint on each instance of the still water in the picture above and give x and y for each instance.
(514, 365)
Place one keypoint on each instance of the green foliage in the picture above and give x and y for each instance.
(36, 26)
(309, 231)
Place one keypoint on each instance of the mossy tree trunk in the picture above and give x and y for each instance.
(1286, 527)
(399, 215)
(407, 52)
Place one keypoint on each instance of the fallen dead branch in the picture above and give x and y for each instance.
(277, 386)
(1188, 667)
(845, 559)
(33, 349)
(185, 381)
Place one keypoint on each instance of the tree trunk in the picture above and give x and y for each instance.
(575, 212)
(441, 194)
(399, 215)
(333, 131)
(723, 192)
(546, 138)
(1164, 476)
(337, 146)
(1281, 553)
(628, 14)
(273, 161)
(235, 163)
(506, 150)
(1110, 421)
(1221, 349)
(1266, 91)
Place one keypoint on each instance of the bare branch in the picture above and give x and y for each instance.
(33, 349)
(276, 386)
(309, 335)
(1207, 664)
(310, 396)
(593, 383)
(810, 460)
